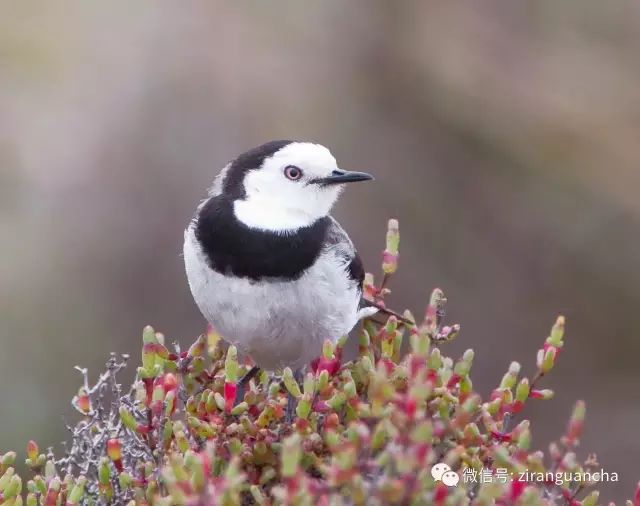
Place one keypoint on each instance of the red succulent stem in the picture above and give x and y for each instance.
(230, 390)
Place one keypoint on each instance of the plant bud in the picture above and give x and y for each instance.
(591, 499)
(336, 401)
(390, 255)
(213, 338)
(219, 400)
(524, 439)
(49, 469)
(257, 495)
(463, 367)
(149, 335)
(511, 376)
(77, 492)
(522, 390)
(544, 394)
(82, 401)
(170, 403)
(291, 454)
(231, 365)
(125, 480)
(157, 399)
(465, 386)
(242, 407)
(6, 478)
(8, 459)
(557, 333)
(127, 418)
(104, 473)
(368, 287)
(53, 491)
(548, 360)
(32, 451)
(304, 407)
(433, 313)
(435, 359)
(323, 380)
(327, 349)
(291, 384)
(114, 450)
(419, 343)
(576, 422)
(309, 385)
(422, 432)
(13, 488)
(198, 348)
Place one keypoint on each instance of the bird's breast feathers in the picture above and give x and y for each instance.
(278, 320)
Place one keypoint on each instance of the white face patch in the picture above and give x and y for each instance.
(275, 202)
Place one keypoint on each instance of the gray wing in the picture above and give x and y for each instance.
(338, 240)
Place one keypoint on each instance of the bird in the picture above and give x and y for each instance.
(268, 266)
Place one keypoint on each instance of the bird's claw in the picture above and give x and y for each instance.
(242, 384)
(290, 412)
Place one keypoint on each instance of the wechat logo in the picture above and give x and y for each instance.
(442, 472)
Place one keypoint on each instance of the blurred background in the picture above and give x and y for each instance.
(503, 135)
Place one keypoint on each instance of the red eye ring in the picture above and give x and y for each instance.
(292, 172)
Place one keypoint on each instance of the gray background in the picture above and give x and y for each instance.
(503, 135)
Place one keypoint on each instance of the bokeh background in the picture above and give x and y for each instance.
(505, 137)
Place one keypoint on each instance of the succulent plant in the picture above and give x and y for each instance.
(396, 425)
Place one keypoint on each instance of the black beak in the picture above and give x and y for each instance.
(343, 176)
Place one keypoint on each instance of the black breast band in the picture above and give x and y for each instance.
(232, 248)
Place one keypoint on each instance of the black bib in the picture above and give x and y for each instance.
(232, 248)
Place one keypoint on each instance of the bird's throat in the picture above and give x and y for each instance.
(264, 214)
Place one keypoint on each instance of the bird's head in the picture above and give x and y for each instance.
(284, 185)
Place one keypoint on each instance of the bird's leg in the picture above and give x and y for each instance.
(292, 402)
(244, 382)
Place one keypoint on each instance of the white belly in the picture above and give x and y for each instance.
(277, 323)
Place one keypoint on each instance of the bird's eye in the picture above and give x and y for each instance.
(292, 172)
